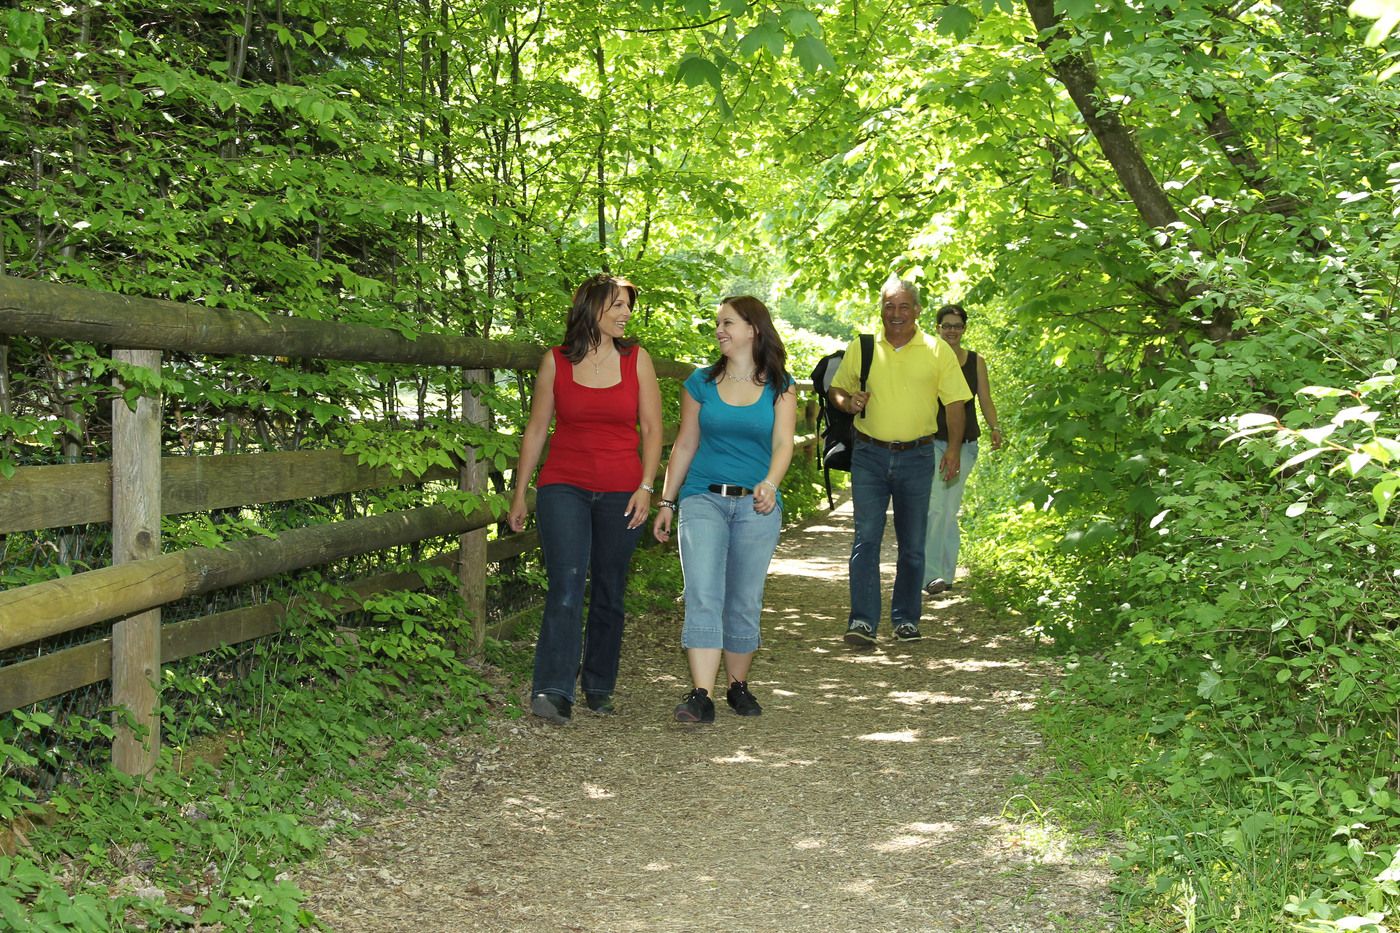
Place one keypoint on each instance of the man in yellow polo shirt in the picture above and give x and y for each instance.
(896, 418)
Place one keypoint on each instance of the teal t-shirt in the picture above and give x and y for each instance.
(736, 441)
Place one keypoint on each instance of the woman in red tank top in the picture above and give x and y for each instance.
(599, 389)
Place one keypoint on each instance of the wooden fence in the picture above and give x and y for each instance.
(139, 485)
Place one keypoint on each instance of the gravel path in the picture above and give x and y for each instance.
(880, 790)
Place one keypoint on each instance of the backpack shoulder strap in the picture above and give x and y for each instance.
(867, 356)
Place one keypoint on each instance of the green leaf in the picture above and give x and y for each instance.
(356, 36)
(813, 55)
(1383, 493)
(695, 70)
(1209, 684)
(957, 21)
(801, 22)
(700, 8)
(765, 35)
(1299, 458)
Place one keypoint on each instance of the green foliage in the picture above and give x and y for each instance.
(253, 777)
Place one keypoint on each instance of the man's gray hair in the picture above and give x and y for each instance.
(894, 284)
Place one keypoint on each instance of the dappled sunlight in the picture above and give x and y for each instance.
(861, 886)
(925, 698)
(594, 792)
(901, 844)
(530, 813)
(972, 665)
(870, 659)
(904, 735)
(740, 757)
(807, 844)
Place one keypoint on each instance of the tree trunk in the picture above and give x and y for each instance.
(1077, 73)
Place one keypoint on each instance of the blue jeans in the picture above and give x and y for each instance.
(945, 499)
(878, 476)
(582, 535)
(725, 550)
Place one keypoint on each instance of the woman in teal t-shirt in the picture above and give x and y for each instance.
(733, 449)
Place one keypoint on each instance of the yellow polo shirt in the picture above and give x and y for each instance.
(904, 385)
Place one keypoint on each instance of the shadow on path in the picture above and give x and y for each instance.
(878, 791)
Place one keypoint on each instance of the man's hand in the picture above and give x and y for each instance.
(951, 464)
(858, 401)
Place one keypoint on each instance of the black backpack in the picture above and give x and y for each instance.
(837, 428)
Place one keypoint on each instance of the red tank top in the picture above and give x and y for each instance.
(594, 445)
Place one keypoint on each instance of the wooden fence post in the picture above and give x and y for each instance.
(471, 569)
(136, 536)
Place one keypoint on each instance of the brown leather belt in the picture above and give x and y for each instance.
(897, 445)
(724, 489)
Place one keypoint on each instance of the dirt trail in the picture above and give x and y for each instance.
(878, 791)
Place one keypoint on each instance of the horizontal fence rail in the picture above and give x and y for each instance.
(65, 494)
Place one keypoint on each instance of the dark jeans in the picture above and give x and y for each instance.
(583, 536)
(878, 476)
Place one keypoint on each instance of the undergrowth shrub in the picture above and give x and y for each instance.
(1232, 670)
(252, 778)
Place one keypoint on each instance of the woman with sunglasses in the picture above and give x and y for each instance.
(945, 499)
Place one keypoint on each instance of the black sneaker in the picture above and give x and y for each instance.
(600, 703)
(552, 707)
(937, 586)
(741, 701)
(696, 706)
(908, 631)
(859, 636)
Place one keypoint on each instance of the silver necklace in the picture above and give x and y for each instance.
(598, 361)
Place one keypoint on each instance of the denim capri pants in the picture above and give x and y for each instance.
(726, 548)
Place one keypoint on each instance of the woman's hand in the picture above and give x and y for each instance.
(637, 508)
(516, 516)
(661, 527)
(765, 497)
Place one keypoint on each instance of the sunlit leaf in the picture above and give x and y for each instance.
(1296, 509)
(1356, 413)
(1386, 13)
(1383, 493)
(1318, 434)
(1300, 458)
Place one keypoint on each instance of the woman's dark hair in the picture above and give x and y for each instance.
(951, 309)
(581, 333)
(769, 355)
